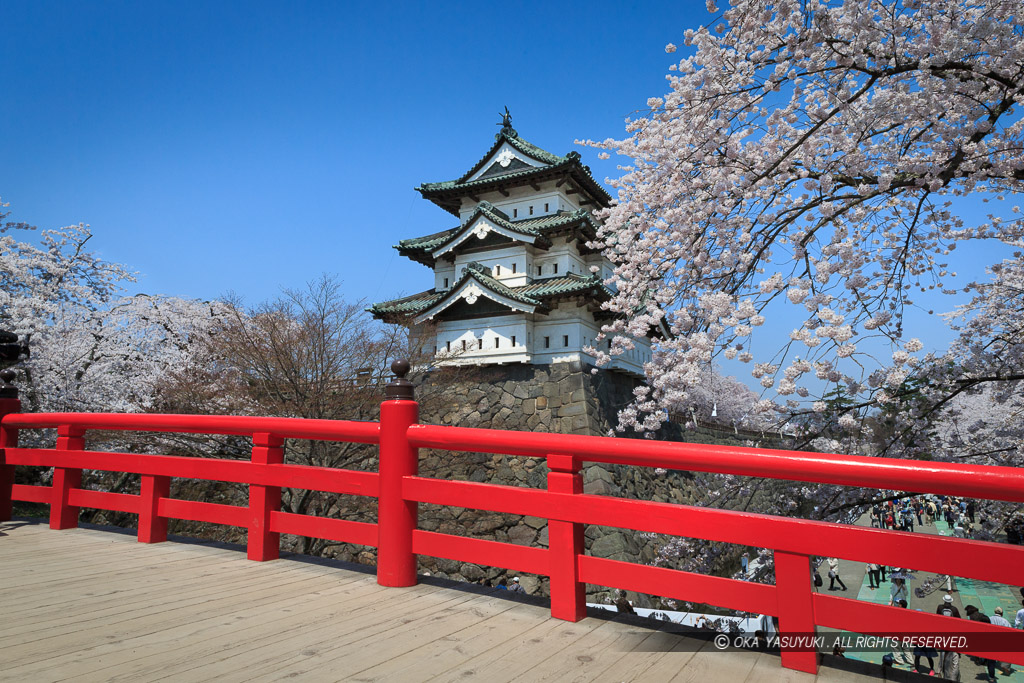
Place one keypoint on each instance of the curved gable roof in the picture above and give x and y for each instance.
(446, 194)
(498, 222)
(511, 137)
(540, 228)
(477, 282)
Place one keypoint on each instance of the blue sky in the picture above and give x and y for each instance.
(246, 147)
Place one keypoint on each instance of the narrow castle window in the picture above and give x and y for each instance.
(515, 213)
(480, 343)
(446, 283)
(547, 342)
(555, 268)
(565, 340)
(449, 345)
(513, 268)
(538, 270)
(545, 207)
(531, 210)
(513, 340)
(463, 344)
(497, 270)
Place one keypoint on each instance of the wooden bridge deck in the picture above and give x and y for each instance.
(95, 605)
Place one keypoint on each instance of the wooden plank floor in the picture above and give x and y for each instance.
(95, 605)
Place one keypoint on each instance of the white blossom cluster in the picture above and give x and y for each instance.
(91, 349)
(805, 160)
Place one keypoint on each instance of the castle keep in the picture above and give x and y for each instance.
(514, 281)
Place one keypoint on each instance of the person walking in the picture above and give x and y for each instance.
(975, 614)
(949, 662)
(898, 591)
(948, 609)
(873, 571)
(998, 619)
(833, 574)
(900, 654)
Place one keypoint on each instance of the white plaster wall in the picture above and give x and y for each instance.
(497, 334)
(444, 270)
(563, 254)
(520, 199)
(504, 257)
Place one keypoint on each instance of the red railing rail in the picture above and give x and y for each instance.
(399, 490)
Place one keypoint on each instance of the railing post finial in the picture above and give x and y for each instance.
(400, 389)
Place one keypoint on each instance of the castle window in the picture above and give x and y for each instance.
(446, 283)
(545, 208)
(497, 342)
(513, 340)
(497, 270)
(435, 349)
(531, 210)
(480, 343)
(463, 344)
(555, 268)
(565, 340)
(538, 270)
(515, 213)
(449, 345)
(513, 268)
(547, 342)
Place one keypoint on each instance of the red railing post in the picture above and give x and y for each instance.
(264, 544)
(8, 438)
(153, 527)
(794, 589)
(396, 516)
(565, 543)
(62, 514)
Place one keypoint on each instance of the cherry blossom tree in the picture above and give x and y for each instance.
(805, 167)
(92, 349)
(308, 354)
(808, 168)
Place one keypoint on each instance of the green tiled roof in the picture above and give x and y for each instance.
(427, 242)
(567, 284)
(441, 193)
(407, 305)
(420, 248)
(538, 293)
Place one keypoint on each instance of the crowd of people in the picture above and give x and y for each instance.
(956, 513)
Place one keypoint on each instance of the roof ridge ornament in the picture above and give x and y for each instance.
(506, 125)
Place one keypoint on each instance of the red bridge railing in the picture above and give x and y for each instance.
(399, 490)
